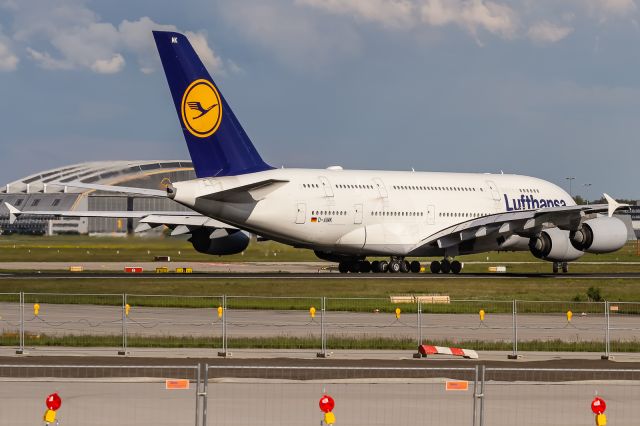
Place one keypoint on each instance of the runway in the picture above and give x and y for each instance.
(271, 271)
(309, 276)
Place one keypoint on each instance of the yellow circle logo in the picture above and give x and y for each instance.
(201, 108)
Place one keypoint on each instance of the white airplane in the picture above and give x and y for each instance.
(347, 216)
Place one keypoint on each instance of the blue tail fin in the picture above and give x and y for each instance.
(217, 143)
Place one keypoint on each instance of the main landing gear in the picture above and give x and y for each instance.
(397, 265)
(560, 265)
(445, 266)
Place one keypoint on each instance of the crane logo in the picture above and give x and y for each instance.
(201, 108)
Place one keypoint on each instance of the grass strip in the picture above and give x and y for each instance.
(311, 342)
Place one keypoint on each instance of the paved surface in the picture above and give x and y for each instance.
(58, 319)
(143, 400)
(264, 270)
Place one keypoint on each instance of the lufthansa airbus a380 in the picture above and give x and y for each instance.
(347, 216)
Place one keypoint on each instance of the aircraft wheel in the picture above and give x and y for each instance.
(435, 267)
(405, 266)
(445, 266)
(354, 267)
(415, 266)
(343, 267)
(556, 267)
(383, 266)
(375, 267)
(394, 266)
(365, 266)
(565, 267)
(456, 267)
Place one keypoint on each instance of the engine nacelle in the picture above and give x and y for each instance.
(600, 235)
(553, 245)
(221, 242)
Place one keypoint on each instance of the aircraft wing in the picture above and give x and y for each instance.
(523, 223)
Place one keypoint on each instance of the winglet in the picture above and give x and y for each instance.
(613, 204)
(13, 213)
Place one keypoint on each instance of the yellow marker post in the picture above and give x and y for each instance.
(569, 316)
(36, 309)
(49, 416)
(329, 418)
(127, 308)
(220, 311)
(601, 420)
(398, 312)
(481, 313)
(312, 312)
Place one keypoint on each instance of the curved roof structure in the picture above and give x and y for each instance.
(98, 172)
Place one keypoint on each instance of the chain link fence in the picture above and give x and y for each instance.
(320, 325)
(101, 395)
(207, 395)
(363, 396)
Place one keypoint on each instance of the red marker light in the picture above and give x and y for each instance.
(53, 402)
(326, 403)
(598, 405)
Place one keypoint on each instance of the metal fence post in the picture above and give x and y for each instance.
(205, 394)
(323, 334)
(607, 335)
(514, 315)
(419, 331)
(225, 349)
(20, 350)
(481, 395)
(123, 351)
(475, 397)
(198, 377)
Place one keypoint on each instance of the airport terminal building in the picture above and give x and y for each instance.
(38, 192)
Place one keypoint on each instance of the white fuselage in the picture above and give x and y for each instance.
(364, 212)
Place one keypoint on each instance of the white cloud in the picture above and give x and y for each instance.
(8, 60)
(613, 7)
(472, 15)
(389, 13)
(293, 34)
(109, 66)
(47, 62)
(547, 32)
(66, 34)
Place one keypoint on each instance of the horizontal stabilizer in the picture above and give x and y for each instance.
(13, 213)
(111, 188)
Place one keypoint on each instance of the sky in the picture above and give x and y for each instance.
(546, 88)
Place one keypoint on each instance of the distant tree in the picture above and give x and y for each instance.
(593, 294)
(579, 200)
(620, 200)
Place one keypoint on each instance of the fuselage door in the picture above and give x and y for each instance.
(357, 214)
(301, 214)
(326, 185)
(382, 190)
(494, 190)
(431, 214)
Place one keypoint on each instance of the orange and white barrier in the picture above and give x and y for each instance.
(425, 350)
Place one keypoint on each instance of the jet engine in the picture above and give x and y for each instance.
(219, 242)
(553, 245)
(600, 235)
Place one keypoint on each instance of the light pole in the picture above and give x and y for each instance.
(586, 191)
(570, 179)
